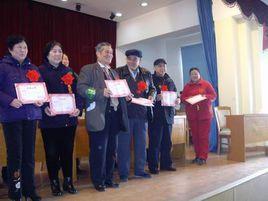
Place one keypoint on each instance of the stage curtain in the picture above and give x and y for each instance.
(209, 44)
(40, 23)
(253, 8)
(250, 8)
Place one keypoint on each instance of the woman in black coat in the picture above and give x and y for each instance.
(58, 131)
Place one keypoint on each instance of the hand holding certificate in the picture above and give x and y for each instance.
(142, 101)
(29, 93)
(168, 98)
(62, 104)
(195, 99)
(118, 88)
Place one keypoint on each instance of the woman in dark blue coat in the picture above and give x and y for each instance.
(58, 131)
(19, 120)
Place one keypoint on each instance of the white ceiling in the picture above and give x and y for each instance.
(103, 8)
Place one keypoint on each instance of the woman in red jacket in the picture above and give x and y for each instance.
(199, 115)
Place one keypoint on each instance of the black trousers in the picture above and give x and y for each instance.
(159, 144)
(20, 143)
(59, 143)
(103, 148)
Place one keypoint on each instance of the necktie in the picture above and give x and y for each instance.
(114, 101)
(107, 73)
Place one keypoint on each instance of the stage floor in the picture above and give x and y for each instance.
(189, 181)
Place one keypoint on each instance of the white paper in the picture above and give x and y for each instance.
(29, 93)
(142, 101)
(62, 103)
(91, 106)
(119, 88)
(195, 99)
(169, 98)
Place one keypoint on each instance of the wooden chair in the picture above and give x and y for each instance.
(223, 132)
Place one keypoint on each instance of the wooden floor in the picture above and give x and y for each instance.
(187, 182)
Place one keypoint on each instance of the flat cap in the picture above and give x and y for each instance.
(134, 52)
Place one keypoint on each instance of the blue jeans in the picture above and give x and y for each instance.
(137, 130)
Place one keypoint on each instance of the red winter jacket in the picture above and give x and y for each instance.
(201, 110)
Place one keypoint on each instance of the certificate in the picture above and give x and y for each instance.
(119, 88)
(195, 99)
(169, 98)
(62, 103)
(142, 101)
(29, 93)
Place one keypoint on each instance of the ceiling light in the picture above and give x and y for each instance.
(118, 14)
(144, 4)
(64, 0)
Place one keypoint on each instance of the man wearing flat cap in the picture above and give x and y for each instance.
(160, 127)
(141, 85)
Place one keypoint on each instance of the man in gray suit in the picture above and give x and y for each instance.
(105, 116)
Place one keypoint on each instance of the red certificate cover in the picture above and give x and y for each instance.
(119, 88)
(62, 103)
(29, 93)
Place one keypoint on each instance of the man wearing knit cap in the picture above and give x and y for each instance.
(141, 86)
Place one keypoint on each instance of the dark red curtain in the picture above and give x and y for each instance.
(41, 23)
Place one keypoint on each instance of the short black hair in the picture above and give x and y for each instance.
(194, 68)
(49, 46)
(13, 40)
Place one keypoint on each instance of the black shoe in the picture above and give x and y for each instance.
(154, 171)
(144, 175)
(55, 188)
(68, 186)
(195, 160)
(111, 185)
(169, 169)
(201, 161)
(100, 187)
(33, 197)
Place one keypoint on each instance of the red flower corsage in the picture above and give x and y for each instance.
(164, 88)
(33, 75)
(68, 80)
(142, 86)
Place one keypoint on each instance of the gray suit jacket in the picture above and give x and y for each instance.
(91, 75)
